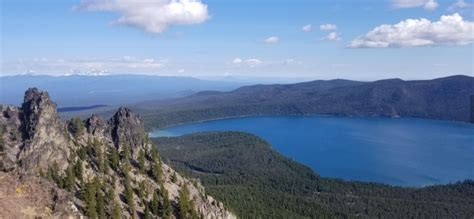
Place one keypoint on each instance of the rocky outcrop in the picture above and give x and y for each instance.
(126, 127)
(11, 139)
(44, 136)
(95, 126)
(50, 156)
(34, 197)
(32, 136)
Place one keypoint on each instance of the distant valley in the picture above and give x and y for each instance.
(83, 90)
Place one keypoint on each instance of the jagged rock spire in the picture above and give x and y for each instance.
(35, 137)
(127, 127)
(37, 108)
(95, 125)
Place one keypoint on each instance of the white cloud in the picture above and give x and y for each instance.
(459, 5)
(333, 36)
(328, 27)
(307, 28)
(449, 30)
(272, 40)
(431, 5)
(426, 4)
(153, 16)
(90, 66)
(237, 61)
(251, 62)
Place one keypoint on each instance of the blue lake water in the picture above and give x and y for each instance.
(401, 151)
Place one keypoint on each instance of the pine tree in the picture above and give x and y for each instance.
(155, 203)
(141, 161)
(155, 156)
(99, 155)
(141, 189)
(114, 158)
(156, 171)
(78, 170)
(77, 127)
(70, 180)
(147, 212)
(166, 210)
(116, 210)
(81, 153)
(193, 212)
(90, 200)
(183, 202)
(100, 205)
(109, 197)
(129, 195)
(126, 167)
(126, 152)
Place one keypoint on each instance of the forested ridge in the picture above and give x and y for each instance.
(255, 181)
(442, 98)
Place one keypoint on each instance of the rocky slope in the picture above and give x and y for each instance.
(95, 168)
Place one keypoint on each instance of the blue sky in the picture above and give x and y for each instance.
(239, 38)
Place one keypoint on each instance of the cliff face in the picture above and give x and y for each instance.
(100, 158)
(44, 137)
(127, 128)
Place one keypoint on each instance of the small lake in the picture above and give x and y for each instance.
(396, 151)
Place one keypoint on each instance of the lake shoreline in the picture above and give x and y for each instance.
(358, 142)
(304, 115)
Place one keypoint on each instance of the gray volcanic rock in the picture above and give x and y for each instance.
(95, 125)
(10, 136)
(126, 127)
(33, 135)
(45, 139)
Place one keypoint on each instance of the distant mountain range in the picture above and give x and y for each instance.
(443, 98)
(84, 90)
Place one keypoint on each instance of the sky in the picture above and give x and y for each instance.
(307, 39)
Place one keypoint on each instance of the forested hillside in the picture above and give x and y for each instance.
(255, 181)
(443, 98)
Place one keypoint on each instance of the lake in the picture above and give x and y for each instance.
(396, 151)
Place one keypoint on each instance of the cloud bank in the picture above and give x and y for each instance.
(87, 66)
(449, 30)
(152, 16)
